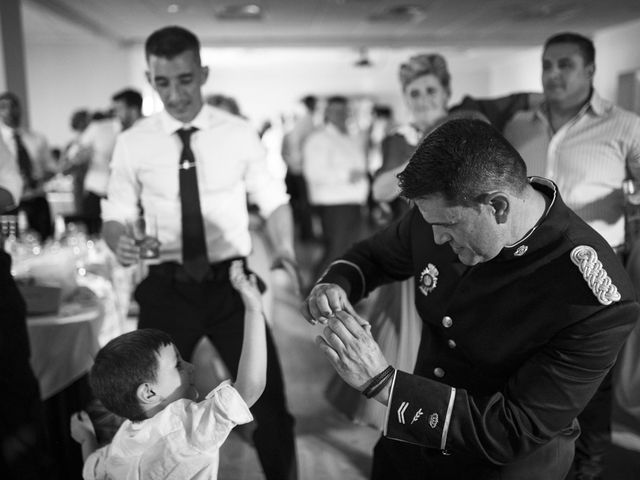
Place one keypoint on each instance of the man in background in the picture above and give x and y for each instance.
(96, 148)
(293, 155)
(335, 169)
(191, 168)
(35, 162)
(588, 146)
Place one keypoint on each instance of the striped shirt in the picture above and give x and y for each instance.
(587, 158)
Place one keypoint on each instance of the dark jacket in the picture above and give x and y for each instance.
(512, 349)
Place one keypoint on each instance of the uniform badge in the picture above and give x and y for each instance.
(428, 279)
(433, 420)
(596, 276)
(521, 250)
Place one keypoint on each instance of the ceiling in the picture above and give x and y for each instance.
(327, 23)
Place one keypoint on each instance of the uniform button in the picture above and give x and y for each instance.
(451, 343)
(438, 372)
(447, 322)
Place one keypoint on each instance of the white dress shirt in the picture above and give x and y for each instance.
(182, 441)
(330, 159)
(230, 162)
(587, 158)
(98, 142)
(36, 146)
(10, 178)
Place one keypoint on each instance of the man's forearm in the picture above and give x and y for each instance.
(111, 232)
(6, 200)
(279, 227)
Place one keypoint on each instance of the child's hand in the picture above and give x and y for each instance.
(247, 286)
(81, 427)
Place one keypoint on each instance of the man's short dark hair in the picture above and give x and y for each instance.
(10, 96)
(169, 42)
(587, 50)
(310, 102)
(122, 365)
(462, 160)
(131, 98)
(341, 99)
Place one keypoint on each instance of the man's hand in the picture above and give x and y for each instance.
(351, 349)
(82, 430)
(127, 252)
(324, 301)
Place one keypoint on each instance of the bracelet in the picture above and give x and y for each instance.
(377, 383)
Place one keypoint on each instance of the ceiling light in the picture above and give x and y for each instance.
(249, 11)
(173, 8)
(400, 13)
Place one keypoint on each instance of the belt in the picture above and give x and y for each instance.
(175, 271)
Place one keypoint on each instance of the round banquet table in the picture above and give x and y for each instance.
(63, 347)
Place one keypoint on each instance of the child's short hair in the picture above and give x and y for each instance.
(122, 365)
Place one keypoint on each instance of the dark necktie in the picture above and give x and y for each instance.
(194, 247)
(24, 161)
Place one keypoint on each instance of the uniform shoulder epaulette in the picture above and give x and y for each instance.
(596, 276)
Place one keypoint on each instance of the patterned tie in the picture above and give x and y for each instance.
(24, 161)
(194, 247)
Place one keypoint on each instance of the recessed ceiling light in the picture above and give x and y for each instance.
(400, 13)
(249, 11)
(173, 8)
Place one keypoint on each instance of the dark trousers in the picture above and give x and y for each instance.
(404, 461)
(342, 225)
(595, 438)
(38, 215)
(188, 311)
(300, 206)
(91, 212)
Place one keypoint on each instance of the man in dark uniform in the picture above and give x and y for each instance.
(525, 308)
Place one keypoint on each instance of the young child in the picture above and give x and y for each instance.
(168, 434)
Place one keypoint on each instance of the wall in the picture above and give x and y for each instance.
(64, 77)
(617, 52)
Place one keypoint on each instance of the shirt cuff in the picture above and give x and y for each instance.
(419, 411)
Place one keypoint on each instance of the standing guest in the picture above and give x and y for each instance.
(79, 122)
(33, 157)
(525, 308)
(22, 433)
(335, 168)
(293, 155)
(191, 167)
(588, 146)
(96, 148)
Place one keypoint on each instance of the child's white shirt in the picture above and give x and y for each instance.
(180, 442)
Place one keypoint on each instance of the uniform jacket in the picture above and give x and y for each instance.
(512, 349)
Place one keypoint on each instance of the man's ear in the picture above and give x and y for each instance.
(500, 204)
(205, 75)
(591, 70)
(146, 395)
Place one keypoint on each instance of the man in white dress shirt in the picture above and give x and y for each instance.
(31, 153)
(97, 143)
(192, 156)
(587, 146)
(335, 168)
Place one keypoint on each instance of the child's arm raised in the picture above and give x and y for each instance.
(252, 368)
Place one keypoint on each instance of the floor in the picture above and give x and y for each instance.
(329, 446)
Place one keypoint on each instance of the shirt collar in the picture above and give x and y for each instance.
(206, 118)
(553, 223)
(596, 104)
